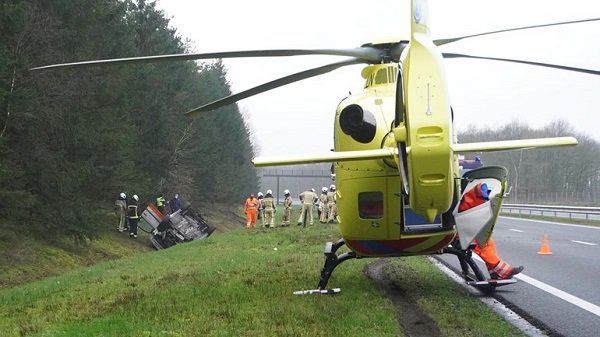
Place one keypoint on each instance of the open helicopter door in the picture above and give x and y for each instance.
(482, 193)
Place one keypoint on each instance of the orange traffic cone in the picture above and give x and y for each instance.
(545, 249)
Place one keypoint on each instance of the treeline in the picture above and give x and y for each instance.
(72, 139)
(569, 169)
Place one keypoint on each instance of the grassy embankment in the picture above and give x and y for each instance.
(236, 283)
(27, 256)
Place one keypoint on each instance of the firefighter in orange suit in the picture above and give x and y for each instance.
(498, 268)
(250, 209)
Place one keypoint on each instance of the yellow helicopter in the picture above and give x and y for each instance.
(395, 157)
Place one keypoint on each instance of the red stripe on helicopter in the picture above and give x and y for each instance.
(397, 247)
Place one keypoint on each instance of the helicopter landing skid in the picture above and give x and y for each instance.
(480, 280)
(318, 291)
(491, 283)
(332, 260)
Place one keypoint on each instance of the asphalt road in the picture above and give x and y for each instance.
(559, 293)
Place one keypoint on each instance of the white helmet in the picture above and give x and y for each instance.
(269, 192)
(136, 198)
(123, 196)
(332, 187)
(324, 189)
(312, 189)
(286, 192)
(259, 194)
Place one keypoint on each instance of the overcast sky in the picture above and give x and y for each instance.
(483, 93)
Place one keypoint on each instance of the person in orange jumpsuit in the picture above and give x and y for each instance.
(250, 209)
(498, 268)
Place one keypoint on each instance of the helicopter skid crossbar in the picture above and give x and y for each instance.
(332, 260)
(491, 283)
(318, 291)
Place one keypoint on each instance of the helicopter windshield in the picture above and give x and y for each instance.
(381, 75)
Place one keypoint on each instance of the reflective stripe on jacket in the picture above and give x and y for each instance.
(269, 204)
(132, 211)
(251, 204)
(474, 197)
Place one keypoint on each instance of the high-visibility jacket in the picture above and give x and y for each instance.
(251, 204)
(323, 200)
(120, 206)
(308, 197)
(331, 199)
(287, 202)
(160, 201)
(132, 211)
(269, 203)
(474, 197)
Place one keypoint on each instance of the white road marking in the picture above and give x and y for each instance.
(584, 243)
(516, 230)
(554, 223)
(509, 315)
(585, 305)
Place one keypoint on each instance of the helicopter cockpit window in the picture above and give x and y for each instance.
(370, 205)
(369, 81)
(392, 74)
(382, 76)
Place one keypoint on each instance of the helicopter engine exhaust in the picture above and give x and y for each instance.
(358, 123)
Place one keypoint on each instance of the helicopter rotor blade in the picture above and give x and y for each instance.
(548, 65)
(368, 54)
(441, 42)
(272, 85)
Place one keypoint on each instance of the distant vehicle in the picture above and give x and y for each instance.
(466, 165)
(185, 225)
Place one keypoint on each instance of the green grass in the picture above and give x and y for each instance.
(455, 313)
(25, 258)
(236, 283)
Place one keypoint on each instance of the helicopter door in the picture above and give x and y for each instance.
(395, 200)
(416, 224)
(481, 200)
(405, 220)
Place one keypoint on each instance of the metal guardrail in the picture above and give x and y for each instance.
(571, 212)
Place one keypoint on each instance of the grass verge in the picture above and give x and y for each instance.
(237, 283)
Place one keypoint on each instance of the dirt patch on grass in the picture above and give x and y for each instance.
(414, 321)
